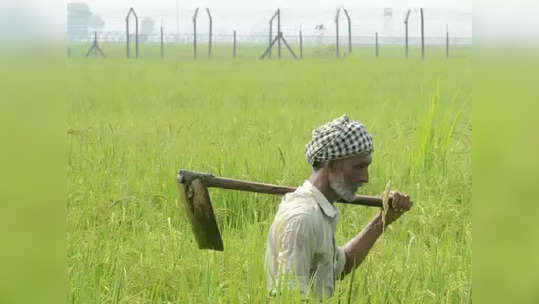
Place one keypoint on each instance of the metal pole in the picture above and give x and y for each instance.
(279, 32)
(271, 31)
(234, 46)
(269, 42)
(195, 34)
(337, 32)
(288, 47)
(349, 31)
(127, 35)
(95, 43)
(136, 35)
(406, 41)
(300, 45)
(422, 36)
(349, 37)
(376, 41)
(211, 24)
(269, 47)
(90, 50)
(136, 39)
(447, 44)
(270, 34)
(162, 49)
(406, 33)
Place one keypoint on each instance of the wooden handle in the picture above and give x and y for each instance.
(228, 183)
(234, 184)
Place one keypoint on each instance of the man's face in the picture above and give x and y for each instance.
(348, 174)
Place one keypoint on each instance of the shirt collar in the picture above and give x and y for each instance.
(328, 208)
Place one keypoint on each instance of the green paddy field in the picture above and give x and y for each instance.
(132, 124)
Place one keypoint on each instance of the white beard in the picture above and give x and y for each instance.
(344, 190)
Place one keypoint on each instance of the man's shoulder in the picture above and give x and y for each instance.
(299, 204)
(300, 197)
(297, 211)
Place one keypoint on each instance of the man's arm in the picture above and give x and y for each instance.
(358, 247)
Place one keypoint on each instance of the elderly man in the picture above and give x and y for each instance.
(301, 242)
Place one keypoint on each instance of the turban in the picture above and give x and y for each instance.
(338, 139)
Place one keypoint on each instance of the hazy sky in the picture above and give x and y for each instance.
(251, 15)
(108, 5)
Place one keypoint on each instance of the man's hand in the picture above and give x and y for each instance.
(358, 247)
(399, 204)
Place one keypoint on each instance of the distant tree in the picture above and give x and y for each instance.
(78, 15)
(147, 27)
(96, 22)
(80, 19)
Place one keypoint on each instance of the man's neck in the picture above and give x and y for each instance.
(320, 180)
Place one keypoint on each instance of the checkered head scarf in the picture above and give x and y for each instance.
(338, 139)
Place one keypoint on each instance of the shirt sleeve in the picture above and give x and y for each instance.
(295, 250)
(340, 261)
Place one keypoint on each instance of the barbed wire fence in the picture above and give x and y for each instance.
(318, 39)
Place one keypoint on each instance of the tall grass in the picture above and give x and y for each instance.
(133, 124)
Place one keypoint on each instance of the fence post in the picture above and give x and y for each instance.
(131, 12)
(195, 39)
(300, 45)
(162, 49)
(234, 46)
(270, 34)
(136, 39)
(95, 43)
(271, 40)
(210, 34)
(127, 35)
(406, 33)
(447, 44)
(195, 34)
(337, 32)
(95, 48)
(349, 31)
(422, 36)
(376, 41)
(279, 32)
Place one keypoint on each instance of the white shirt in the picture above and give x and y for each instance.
(301, 242)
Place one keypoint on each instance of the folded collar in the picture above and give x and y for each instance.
(328, 208)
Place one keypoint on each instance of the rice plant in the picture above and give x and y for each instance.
(133, 124)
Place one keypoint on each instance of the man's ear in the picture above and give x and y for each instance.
(327, 169)
(331, 166)
(324, 167)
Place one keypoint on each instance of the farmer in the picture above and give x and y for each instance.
(301, 247)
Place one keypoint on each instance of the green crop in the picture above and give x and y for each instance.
(133, 123)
